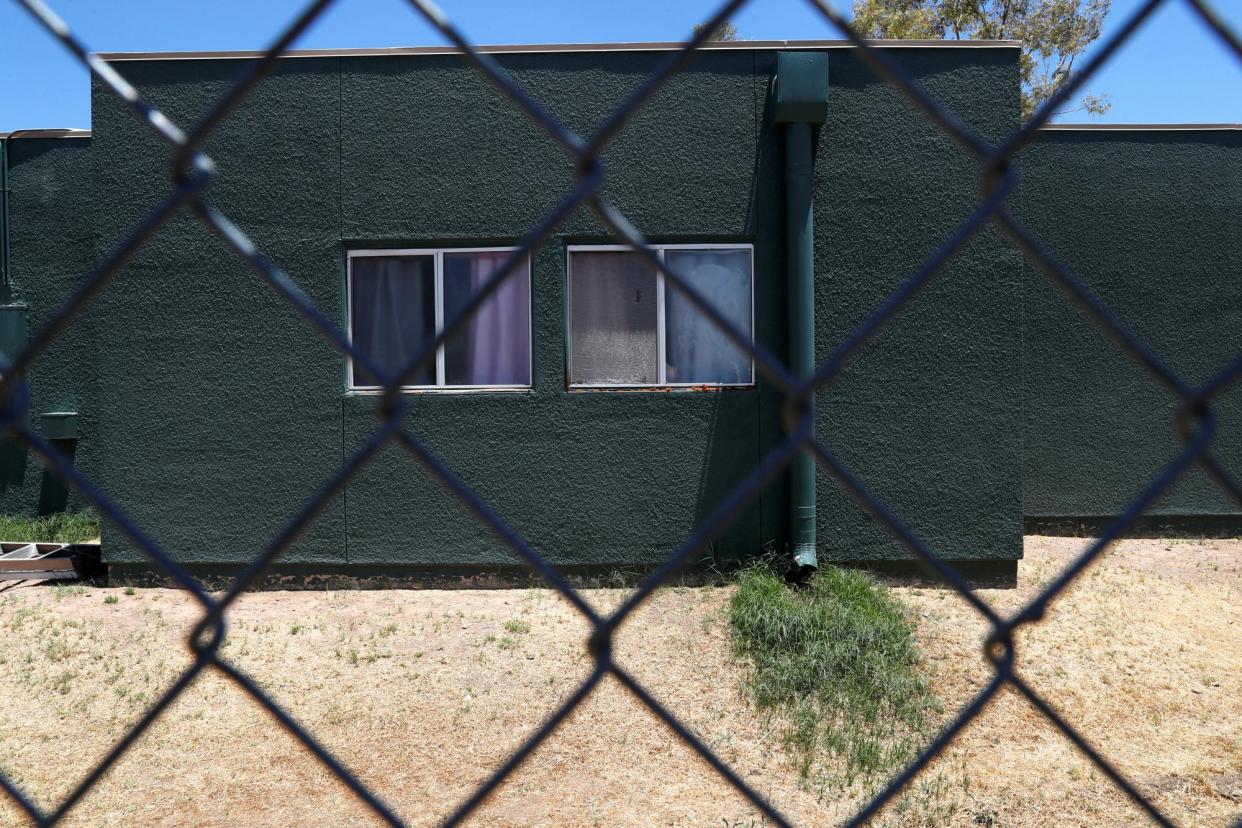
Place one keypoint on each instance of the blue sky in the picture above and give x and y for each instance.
(1172, 72)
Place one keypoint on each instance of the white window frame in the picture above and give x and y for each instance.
(438, 276)
(661, 333)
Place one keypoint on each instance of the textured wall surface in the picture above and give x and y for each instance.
(1151, 222)
(53, 247)
(223, 411)
(928, 415)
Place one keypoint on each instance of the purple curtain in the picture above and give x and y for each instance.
(494, 347)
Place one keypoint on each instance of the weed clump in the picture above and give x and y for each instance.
(836, 662)
(517, 626)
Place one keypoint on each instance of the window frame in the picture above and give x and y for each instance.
(437, 253)
(661, 325)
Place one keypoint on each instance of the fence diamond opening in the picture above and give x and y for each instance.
(192, 173)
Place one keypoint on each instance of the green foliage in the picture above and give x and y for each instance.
(837, 663)
(1053, 34)
(64, 527)
(726, 31)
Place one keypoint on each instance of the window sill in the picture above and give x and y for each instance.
(659, 389)
(461, 389)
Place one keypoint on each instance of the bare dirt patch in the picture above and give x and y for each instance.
(423, 693)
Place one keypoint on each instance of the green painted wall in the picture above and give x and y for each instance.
(53, 248)
(929, 414)
(223, 411)
(1151, 223)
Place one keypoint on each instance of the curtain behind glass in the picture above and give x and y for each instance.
(696, 351)
(612, 319)
(392, 313)
(494, 346)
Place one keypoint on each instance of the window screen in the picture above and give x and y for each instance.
(612, 320)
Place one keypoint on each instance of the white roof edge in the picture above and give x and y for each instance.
(47, 133)
(546, 48)
(1138, 127)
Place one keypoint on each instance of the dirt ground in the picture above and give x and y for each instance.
(422, 693)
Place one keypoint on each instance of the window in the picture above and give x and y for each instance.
(627, 330)
(400, 299)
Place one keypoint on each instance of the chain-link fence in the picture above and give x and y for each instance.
(192, 173)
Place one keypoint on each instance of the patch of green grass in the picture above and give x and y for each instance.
(836, 662)
(65, 527)
(63, 683)
(517, 627)
(110, 599)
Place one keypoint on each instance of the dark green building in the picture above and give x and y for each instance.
(588, 403)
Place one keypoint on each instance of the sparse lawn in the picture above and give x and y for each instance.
(65, 527)
(424, 693)
(835, 663)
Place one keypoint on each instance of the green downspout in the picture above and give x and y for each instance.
(800, 249)
(801, 101)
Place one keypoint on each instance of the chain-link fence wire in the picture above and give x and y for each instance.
(192, 173)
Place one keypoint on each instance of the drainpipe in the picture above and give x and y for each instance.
(801, 104)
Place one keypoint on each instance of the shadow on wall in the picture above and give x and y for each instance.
(738, 436)
(53, 492)
(12, 464)
(731, 453)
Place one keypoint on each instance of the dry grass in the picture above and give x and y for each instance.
(422, 693)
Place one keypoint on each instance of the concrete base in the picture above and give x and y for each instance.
(1147, 526)
(326, 577)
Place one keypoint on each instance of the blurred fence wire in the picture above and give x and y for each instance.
(191, 174)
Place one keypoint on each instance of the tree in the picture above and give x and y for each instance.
(726, 31)
(1053, 34)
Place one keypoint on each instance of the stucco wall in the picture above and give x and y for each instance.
(928, 415)
(1150, 221)
(53, 248)
(223, 411)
